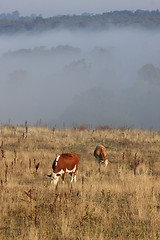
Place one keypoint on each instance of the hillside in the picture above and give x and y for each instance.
(13, 23)
(121, 201)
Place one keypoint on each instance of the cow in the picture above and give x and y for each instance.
(64, 163)
(100, 153)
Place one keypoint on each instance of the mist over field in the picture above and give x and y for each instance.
(81, 77)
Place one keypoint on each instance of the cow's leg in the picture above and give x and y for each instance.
(99, 161)
(73, 179)
(63, 177)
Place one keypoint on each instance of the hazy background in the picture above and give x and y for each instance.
(81, 77)
(60, 7)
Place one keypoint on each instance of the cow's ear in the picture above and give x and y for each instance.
(49, 175)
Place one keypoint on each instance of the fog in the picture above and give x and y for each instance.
(81, 77)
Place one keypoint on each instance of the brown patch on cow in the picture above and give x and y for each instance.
(67, 161)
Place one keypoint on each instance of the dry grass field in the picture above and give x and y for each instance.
(120, 201)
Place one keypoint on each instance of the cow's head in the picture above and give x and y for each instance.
(54, 178)
(106, 162)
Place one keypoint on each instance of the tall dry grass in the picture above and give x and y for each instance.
(121, 201)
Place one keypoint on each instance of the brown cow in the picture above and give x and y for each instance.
(64, 163)
(100, 153)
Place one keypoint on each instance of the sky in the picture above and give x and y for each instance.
(63, 7)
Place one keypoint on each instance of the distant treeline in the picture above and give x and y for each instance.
(13, 23)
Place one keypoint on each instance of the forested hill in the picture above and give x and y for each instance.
(13, 23)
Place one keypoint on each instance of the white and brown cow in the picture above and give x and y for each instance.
(100, 153)
(64, 163)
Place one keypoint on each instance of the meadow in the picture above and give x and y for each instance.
(120, 201)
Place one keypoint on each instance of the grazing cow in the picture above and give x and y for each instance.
(64, 163)
(100, 153)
